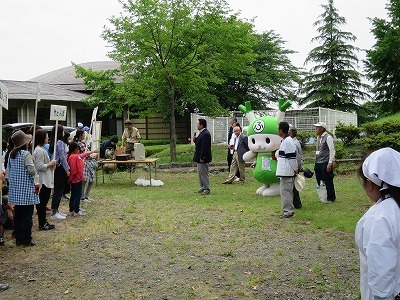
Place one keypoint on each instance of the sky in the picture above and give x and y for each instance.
(40, 36)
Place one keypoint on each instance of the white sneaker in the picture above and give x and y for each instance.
(57, 216)
(82, 210)
(61, 213)
(86, 200)
(81, 213)
(90, 199)
(237, 179)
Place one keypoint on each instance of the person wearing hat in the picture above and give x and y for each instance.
(324, 158)
(79, 126)
(88, 137)
(21, 193)
(130, 136)
(377, 233)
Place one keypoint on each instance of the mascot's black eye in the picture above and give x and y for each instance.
(253, 141)
(267, 140)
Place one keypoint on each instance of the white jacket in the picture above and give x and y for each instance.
(378, 241)
(286, 156)
(41, 160)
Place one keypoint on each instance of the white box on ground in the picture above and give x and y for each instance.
(139, 152)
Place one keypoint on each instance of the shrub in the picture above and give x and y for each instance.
(151, 150)
(371, 128)
(347, 133)
(154, 142)
(303, 137)
(340, 151)
(387, 127)
(382, 140)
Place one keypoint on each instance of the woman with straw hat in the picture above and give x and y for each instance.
(21, 173)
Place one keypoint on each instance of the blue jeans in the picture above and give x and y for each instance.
(75, 199)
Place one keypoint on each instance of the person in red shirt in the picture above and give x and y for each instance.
(76, 177)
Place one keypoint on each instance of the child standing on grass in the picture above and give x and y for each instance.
(89, 174)
(76, 164)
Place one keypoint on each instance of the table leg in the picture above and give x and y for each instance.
(149, 165)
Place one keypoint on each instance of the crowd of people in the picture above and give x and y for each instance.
(377, 233)
(37, 167)
(30, 183)
(34, 173)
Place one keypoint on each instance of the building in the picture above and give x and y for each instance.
(61, 87)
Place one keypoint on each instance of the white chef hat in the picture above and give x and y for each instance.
(382, 167)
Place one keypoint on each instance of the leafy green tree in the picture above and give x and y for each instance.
(383, 60)
(269, 77)
(171, 52)
(368, 112)
(333, 81)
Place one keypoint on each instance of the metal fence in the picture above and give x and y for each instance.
(303, 120)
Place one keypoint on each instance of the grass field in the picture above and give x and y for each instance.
(170, 242)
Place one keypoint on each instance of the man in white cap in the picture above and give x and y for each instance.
(79, 126)
(324, 158)
(378, 231)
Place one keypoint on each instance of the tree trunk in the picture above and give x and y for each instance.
(172, 124)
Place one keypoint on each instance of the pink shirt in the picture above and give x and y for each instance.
(76, 165)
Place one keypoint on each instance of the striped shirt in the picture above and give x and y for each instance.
(287, 163)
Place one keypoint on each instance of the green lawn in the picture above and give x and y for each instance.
(170, 242)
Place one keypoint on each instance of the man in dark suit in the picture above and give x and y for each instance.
(202, 155)
(240, 147)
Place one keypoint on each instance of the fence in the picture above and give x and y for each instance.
(303, 120)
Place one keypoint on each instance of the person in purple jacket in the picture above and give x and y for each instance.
(60, 173)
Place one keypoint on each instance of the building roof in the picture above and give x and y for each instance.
(66, 77)
(27, 90)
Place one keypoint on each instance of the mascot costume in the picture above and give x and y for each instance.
(264, 141)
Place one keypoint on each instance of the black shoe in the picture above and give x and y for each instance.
(4, 286)
(2, 240)
(30, 244)
(47, 226)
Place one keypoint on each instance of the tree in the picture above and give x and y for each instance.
(269, 77)
(383, 60)
(170, 52)
(334, 81)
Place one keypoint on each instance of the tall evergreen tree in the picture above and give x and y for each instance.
(333, 81)
(383, 60)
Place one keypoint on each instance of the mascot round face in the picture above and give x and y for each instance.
(263, 135)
